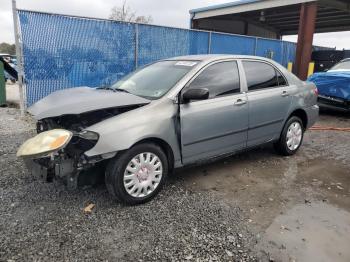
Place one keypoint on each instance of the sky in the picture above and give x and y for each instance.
(164, 12)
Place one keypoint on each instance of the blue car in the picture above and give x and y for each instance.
(334, 86)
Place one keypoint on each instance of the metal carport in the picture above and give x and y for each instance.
(275, 18)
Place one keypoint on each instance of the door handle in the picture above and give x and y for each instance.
(240, 102)
(285, 93)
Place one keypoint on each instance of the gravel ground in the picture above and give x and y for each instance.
(43, 222)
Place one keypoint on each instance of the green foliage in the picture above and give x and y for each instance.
(7, 48)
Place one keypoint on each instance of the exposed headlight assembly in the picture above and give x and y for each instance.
(45, 143)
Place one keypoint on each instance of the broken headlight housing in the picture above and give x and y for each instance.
(45, 143)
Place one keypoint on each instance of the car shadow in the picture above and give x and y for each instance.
(335, 113)
(242, 159)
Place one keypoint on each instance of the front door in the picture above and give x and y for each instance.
(217, 125)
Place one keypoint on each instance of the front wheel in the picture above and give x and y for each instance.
(291, 137)
(137, 175)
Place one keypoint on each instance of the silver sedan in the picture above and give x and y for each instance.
(166, 115)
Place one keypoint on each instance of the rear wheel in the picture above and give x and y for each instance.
(291, 137)
(137, 175)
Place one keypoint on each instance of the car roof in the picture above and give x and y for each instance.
(206, 59)
(213, 57)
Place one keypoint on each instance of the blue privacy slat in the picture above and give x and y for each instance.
(63, 51)
(270, 48)
(289, 52)
(232, 44)
(157, 42)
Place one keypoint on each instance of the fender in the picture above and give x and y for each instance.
(123, 131)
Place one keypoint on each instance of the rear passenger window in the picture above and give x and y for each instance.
(281, 79)
(221, 79)
(261, 75)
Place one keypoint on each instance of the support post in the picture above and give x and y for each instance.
(19, 59)
(194, 23)
(300, 39)
(246, 27)
(308, 13)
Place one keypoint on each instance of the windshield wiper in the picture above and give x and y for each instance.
(106, 88)
(113, 89)
(121, 90)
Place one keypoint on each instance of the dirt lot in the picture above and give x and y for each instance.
(249, 207)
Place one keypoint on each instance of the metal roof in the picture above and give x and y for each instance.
(213, 7)
(245, 5)
(281, 16)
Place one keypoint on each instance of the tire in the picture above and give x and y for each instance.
(120, 181)
(286, 148)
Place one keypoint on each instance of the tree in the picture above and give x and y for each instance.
(7, 48)
(126, 14)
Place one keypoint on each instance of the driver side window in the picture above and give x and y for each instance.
(221, 79)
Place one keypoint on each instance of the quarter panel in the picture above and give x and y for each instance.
(304, 98)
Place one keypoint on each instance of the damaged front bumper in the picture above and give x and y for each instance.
(49, 169)
(65, 162)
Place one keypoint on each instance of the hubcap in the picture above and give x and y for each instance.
(143, 174)
(294, 136)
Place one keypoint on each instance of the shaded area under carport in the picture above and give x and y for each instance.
(275, 18)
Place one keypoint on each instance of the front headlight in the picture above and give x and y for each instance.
(45, 143)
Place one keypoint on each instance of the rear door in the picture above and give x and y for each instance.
(269, 99)
(217, 125)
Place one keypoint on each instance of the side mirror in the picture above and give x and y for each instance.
(195, 94)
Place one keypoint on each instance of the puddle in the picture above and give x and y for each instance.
(314, 233)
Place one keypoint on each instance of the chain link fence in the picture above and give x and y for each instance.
(61, 51)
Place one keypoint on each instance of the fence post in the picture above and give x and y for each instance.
(209, 43)
(136, 45)
(19, 59)
(283, 51)
(256, 46)
(2, 85)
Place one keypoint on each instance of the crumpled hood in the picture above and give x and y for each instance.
(334, 84)
(80, 100)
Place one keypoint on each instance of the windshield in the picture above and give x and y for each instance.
(342, 66)
(155, 80)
